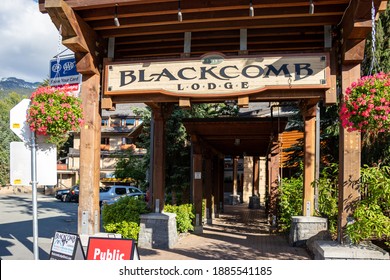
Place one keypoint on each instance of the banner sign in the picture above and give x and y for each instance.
(100, 248)
(216, 74)
(63, 72)
(66, 246)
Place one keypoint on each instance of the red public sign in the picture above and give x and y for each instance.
(111, 249)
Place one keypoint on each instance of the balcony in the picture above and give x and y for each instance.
(104, 147)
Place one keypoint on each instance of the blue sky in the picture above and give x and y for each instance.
(28, 40)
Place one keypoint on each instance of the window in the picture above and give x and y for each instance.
(104, 122)
(115, 122)
(128, 122)
(105, 141)
(120, 191)
(126, 141)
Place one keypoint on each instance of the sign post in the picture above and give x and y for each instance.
(18, 124)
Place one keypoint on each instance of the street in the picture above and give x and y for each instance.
(16, 227)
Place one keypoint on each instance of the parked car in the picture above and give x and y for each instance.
(110, 192)
(115, 199)
(61, 194)
(73, 194)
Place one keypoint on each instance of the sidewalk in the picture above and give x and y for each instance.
(238, 234)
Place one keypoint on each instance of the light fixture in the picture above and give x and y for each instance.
(311, 7)
(179, 14)
(116, 20)
(251, 9)
(237, 142)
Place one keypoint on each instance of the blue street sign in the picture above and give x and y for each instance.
(64, 71)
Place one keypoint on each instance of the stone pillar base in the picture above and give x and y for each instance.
(234, 199)
(254, 202)
(304, 227)
(158, 231)
(198, 229)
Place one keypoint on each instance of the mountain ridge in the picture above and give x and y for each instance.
(20, 86)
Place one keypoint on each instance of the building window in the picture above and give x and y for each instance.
(115, 122)
(128, 122)
(126, 141)
(104, 122)
(105, 141)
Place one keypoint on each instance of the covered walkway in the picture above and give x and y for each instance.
(238, 234)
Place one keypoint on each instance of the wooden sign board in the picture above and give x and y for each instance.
(214, 75)
(66, 246)
(100, 248)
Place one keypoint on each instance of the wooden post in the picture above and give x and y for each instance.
(160, 114)
(197, 189)
(208, 189)
(273, 183)
(255, 189)
(235, 172)
(89, 210)
(349, 158)
(309, 115)
(221, 184)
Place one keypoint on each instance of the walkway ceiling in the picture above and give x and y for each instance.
(151, 29)
(236, 136)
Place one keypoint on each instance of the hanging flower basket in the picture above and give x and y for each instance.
(366, 106)
(54, 113)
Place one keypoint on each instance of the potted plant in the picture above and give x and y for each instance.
(366, 106)
(54, 112)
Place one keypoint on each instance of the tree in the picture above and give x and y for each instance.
(6, 134)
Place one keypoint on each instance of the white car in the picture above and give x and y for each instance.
(115, 199)
(110, 192)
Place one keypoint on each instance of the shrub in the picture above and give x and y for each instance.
(126, 229)
(328, 196)
(184, 216)
(123, 216)
(290, 201)
(372, 213)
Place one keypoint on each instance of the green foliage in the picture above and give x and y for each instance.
(121, 216)
(7, 102)
(290, 201)
(184, 216)
(131, 166)
(328, 196)
(372, 213)
(126, 229)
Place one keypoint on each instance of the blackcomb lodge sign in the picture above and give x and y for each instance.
(216, 74)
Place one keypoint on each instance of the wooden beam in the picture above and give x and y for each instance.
(356, 25)
(77, 36)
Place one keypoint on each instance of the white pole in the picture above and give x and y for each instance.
(34, 194)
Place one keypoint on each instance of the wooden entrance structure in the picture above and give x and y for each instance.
(105, 31)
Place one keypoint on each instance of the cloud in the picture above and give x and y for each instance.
(28, 40)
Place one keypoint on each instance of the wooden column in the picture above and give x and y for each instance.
(273, 183)
(160, 114)
(349, 162)
(256, 177)
(221, 184)
(208, 189)
(197, 185)
(235, 172)
(309, 115)
(89, 210)
(217, 185)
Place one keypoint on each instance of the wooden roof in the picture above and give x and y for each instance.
(151, 29)
(219, 134)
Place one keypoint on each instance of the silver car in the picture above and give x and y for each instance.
(110, 192)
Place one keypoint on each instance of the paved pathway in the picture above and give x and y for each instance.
(238, 234)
